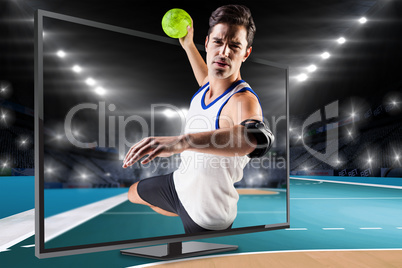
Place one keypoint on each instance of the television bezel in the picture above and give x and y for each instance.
(40, 250)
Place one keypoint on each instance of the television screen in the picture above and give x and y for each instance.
(99, 90)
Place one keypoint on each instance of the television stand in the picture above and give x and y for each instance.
(178, 250)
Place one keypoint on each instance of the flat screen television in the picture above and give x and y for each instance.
(99, 89)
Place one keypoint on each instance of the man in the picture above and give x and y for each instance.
(202, 190)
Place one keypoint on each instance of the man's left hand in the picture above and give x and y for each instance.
(154, 147)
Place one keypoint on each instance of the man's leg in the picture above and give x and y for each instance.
(134, 197)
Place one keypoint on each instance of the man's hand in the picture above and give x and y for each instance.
(154, 147)
(188, 40)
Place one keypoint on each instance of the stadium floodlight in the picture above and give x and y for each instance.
(312, 68)
(61, 54)
(341, 40)
(90, 81)
(76, 68)
(302, 77)
(362, 20)
(325, 55)
(353, 114)
(369, 160)
(397, 157)
(100, 91)
(5, 87)
(169, 113)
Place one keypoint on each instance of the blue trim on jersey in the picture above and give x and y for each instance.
(252, 91)
(201, 88)
(221, 96)
(241, 90)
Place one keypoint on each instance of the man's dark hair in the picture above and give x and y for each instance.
(234, 15)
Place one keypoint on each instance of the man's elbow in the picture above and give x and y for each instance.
(259, 140)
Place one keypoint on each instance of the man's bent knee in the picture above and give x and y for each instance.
(133, 196)
(163, 212)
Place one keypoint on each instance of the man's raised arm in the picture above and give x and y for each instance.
(197, 62)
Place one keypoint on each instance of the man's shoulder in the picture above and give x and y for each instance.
(243, 100)
(244, 96)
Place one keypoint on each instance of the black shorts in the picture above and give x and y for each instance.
(159, 191)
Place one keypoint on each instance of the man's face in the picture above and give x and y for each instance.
(226, 48)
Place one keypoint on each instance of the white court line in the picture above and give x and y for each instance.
(21, 226)
(28, 246)
(260, 212)
(370, 228)
(351, 183)
(58, 224)
(333, 228)
(261, 252)
(296, 229)
(16, 228)
(400, 228)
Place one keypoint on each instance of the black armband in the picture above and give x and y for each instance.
(262, 134)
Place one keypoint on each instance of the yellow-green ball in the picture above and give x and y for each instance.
(175, 22)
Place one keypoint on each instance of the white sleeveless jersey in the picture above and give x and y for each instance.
(205, 182)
